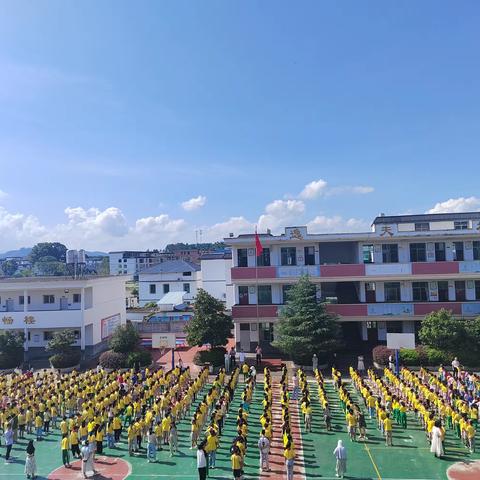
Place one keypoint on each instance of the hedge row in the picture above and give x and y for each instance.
(114, 360)
(421, 355)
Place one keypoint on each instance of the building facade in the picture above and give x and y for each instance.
(379, 282)
(39, 306)
(216, 276)
(172, 276)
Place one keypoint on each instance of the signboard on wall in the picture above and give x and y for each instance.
(109, 324)
(163, 340)
(396, 341)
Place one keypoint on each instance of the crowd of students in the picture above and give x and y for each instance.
(89, 407)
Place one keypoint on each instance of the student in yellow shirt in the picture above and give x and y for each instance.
(38, 427)
(470, 434)
(237, 461)
(351, 424)
(74, 445)
(99, 439)
(65, 455)
(289, 454)
(388, 428)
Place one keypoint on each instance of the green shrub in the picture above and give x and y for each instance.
(141, 358)
(436, 357)
(65, 359)
(381, 353)
(409, 357)
(215, 356)
(111, 359)
(10, 361)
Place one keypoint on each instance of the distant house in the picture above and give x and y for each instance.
(171, 276)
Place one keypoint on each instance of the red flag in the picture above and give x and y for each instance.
(258, 244)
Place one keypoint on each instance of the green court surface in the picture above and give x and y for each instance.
(182, 465)
(409, 458)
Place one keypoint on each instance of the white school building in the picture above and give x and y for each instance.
(92, 307)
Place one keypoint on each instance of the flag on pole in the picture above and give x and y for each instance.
(258, 244)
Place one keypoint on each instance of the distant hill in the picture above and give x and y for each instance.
(21, 252)
(25, 251)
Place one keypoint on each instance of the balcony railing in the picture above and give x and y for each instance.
(356, 270)
(398, 310)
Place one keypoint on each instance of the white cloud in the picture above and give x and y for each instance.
(3, 194)
(94, 221)
(337, 224)
(321, 188)
(219, 231)
(194, 203)
(159, 225)
(313, 189)
(456, 205)
(280, 212)
(17, 229)
(347, 189)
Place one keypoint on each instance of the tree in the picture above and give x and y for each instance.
(61, 345)
(9, 267)
(104, 268)
(125, 339)
(61, 342)
(209, 324)
(55, 250)
(50, 266)
(11, 349)
(305, 326)
(441, 330)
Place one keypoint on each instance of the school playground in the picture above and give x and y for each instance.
(409, 458)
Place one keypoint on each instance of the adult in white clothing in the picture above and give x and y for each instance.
(202, 461)
(87, 460)
(264, 447)
(341, 455)
(437, 440)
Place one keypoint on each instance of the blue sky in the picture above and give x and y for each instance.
(114, 113)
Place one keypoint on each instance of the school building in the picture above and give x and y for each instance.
(39, 306)
(381, 281)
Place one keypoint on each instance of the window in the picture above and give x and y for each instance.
(420, 291)
(187, 274)
(477, 289)
(440, 252)
(47, 336)
(242, 256)
(263, 260)
(243, 295)
(460, 292)
(390, 253)
(186, 287)
(152, 288)
(460, 225)
(458, 251)
(245, 326)
(392, 292)
(76, 334)
(266, 332)
(288, 255)
(49, 299)
(370, 296)
(309, 254)
(264, 294)
(418, 252)
(21, 300)
(476, 250)
(285, 289)
(367, 253)
(394, 327)
(77, 297)
(166, 288)
(422, 227)
(443, 291)
(119, 260)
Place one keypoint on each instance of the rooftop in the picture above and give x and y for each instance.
(172, 266)
(426, 217)
(217, 256)
(65, 278)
